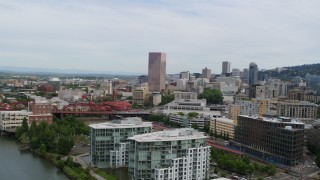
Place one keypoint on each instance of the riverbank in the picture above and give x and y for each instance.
(84, 165)
(71, 168)
(17, 165)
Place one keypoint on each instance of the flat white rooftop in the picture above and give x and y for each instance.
(224, 120)
(132, 122)
(188, 102)
(275, 120)
(170, 135)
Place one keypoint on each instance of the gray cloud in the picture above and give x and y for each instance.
(117, 36)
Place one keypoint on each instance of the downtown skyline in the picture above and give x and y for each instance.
(117, 36)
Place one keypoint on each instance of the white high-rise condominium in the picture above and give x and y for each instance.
(172, 154)
(109, 146)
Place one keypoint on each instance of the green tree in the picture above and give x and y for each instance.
(246, 159)
(165, 99)
(69, 161)
(48, 139)
(271, 170)
(212, 96)
(42, 149)
(206, 129)
(23, 129)
(313, 148)
(318, 160)
(193, 114)
(64, 145)
(25, 126)
(32, 129)
(211, 133)
(195, 126)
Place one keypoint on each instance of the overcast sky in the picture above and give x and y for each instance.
(117, 35)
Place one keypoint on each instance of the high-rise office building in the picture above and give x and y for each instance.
(225, 67)
(172, 154)
(245, 75)
(206, 73)
(276, 140)
(235, 72)
(157, 71)
(253, 73)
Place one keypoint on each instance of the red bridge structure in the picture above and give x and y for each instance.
(109, 108)
(226, 149)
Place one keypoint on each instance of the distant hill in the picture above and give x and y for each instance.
(13, 69)
(293, 71)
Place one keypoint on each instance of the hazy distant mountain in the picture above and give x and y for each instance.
(293, 71)
(60, 71)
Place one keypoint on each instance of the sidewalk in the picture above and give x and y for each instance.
(84, 165)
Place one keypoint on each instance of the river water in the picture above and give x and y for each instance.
(16, 165)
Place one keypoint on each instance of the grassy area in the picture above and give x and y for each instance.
(82, 139)
(105, 175)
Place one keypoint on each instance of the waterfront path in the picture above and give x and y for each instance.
(84, 165)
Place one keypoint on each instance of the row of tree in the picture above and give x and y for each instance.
(241, 165)
(163, 119)
(316, 151)
(224, 135)
(56, 138)
(213, 96)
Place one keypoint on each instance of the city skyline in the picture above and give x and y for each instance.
(105, 36)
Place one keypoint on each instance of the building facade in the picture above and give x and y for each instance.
(185, 75)
(222, 126)
(253, 73)
(172, 154)
(186, 121)
(254, 107)
(140, 96)
(206, 73)
(41, 111)
(225, 67)
(10, 120)
(157, 71)
(109, 144)
(185, 95)
(142, 79)
(235, 72)
(234, 112)
(245, 75)
(276, 140)
(302, 110)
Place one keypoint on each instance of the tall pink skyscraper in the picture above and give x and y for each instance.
(157, 71)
